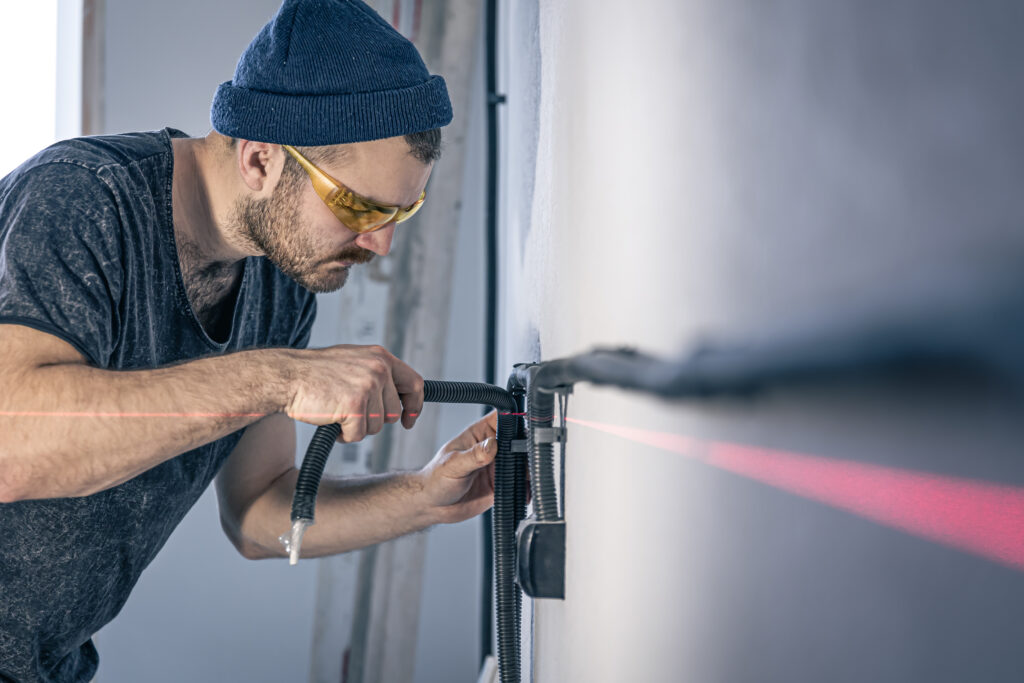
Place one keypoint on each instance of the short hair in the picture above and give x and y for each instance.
(425, 146)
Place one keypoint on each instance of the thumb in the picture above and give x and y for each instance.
(464, 463)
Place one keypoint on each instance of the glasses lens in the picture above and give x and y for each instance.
(359, 220)
(406, 214)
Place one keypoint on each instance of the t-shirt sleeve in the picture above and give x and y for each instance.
(306, 319)
(60, 257)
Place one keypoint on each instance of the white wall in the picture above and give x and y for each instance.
(28, 37)
(725, 170)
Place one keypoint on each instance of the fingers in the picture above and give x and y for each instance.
(484, 428)
(383, 399)
(392, 403)
(409, 385)
(478, 431)
(360, 387)
(374, 413)
(465, 463)
(489, 423)
(353, 426)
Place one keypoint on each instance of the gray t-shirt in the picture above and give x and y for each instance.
(87, 253)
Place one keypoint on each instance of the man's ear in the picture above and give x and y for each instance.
(259, 165)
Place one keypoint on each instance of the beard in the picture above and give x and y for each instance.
(274, 226)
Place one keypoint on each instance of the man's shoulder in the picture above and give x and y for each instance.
(97, 152)
(93, 173)
(79, 190)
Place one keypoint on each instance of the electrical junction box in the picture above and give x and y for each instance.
(540, 569)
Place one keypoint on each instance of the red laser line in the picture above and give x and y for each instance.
(185, 415)
(126, 414)
(981, 518)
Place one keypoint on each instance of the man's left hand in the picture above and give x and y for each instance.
(459, 482)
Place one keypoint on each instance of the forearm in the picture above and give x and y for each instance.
(351, 513)
(72, 430)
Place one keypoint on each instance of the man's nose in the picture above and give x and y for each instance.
(378, 241)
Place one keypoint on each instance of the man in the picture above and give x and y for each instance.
(156, 298)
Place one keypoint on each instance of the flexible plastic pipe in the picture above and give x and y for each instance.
(509, 501)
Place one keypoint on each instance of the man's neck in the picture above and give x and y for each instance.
(201, 205)
(211, 266)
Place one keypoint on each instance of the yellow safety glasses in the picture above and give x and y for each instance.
(359, 214)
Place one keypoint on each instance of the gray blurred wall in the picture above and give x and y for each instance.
(683, 171)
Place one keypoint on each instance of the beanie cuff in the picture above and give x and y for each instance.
(312, 120)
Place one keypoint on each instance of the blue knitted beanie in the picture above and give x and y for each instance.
(327, 72)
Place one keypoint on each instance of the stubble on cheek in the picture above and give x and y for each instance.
(275, 228)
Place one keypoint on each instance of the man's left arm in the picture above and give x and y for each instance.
(256, 485)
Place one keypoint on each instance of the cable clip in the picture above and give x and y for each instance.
(546, 435)
(520, 446)
(560, 390)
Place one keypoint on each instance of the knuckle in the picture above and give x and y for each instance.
(350, 409)
(379, 368)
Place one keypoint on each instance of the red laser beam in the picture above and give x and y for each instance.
(136, 414)
(981, 518)
(93, 413)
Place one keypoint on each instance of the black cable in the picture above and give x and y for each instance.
(491, 217)
(539, 379)
(304, 501)
(541, 407)
(491, 303)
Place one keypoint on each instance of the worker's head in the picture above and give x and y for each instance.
(314, 211)
(333, 123)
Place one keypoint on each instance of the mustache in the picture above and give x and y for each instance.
(354, 254)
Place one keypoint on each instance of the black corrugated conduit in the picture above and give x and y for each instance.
(509, 501)
(541, 405)
(494, 99)
(312, 471)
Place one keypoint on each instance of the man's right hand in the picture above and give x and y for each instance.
(360, 387)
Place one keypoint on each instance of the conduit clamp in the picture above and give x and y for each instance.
(546, 435)
(520, 446)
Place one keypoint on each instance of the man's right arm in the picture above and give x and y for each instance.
(70, 429)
